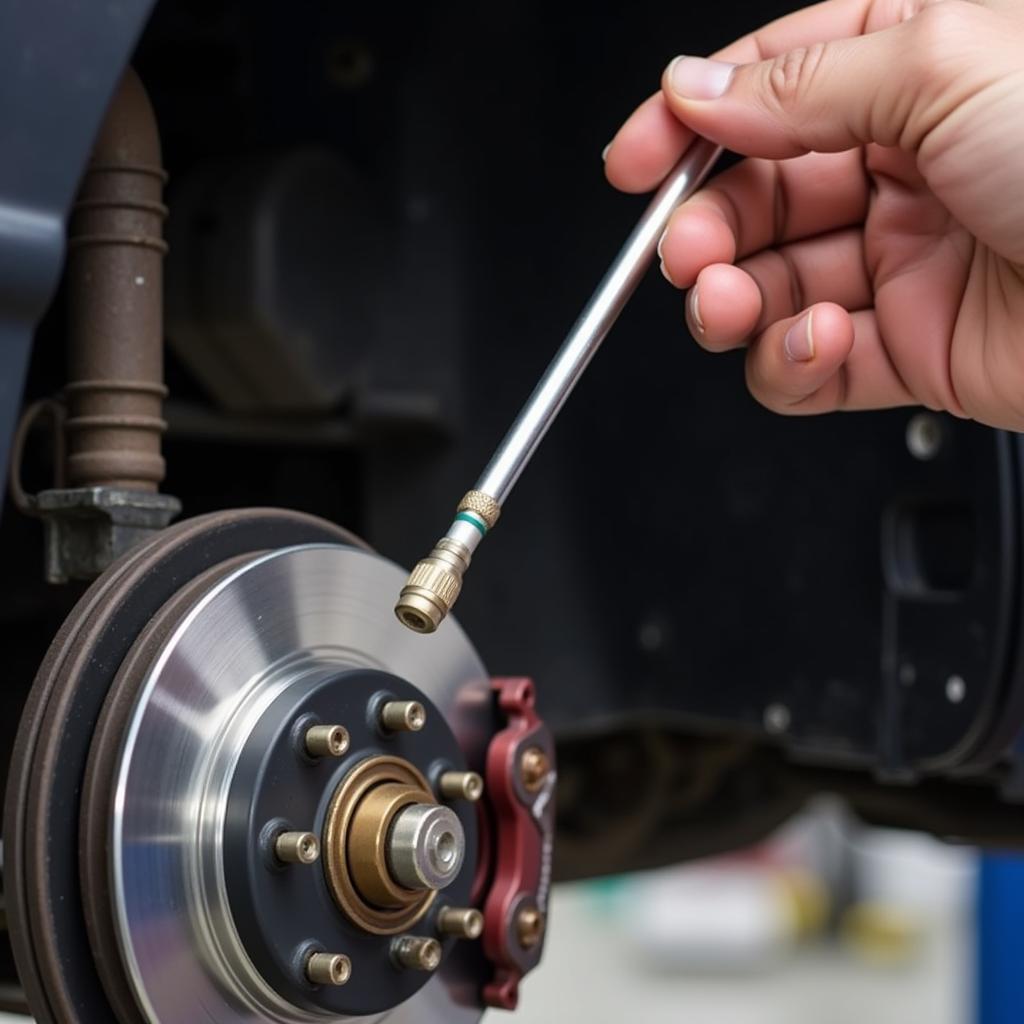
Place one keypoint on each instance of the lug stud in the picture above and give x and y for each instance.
(327, 741)
(534, 768)
(328, 969)
(403, 716)
(461, 922)
(461, 786)
(297, 848)
(529, 927)
(416, 953)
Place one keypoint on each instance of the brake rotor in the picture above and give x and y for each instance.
(183, 682)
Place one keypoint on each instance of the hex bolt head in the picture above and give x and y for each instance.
(328, 969)
(416, 952)
(461, 922)
(327, 741)
(297, 848)
(461, 786)
(403, 716)
(534, 768)
(529, 927)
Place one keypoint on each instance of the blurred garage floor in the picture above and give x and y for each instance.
(590, 977)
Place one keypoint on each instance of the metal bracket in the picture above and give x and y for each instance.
(520, 790)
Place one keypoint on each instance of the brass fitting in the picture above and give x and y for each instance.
(461, 786)
(529, 927)
(327, 741)
(328, 969)
(403, 716)
(416, 953)
(461, 922)
(433, 587)
(297, 848)
(483, 505)
(534, 767)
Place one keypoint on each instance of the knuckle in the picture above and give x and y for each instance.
(790, 77)
(938, 31)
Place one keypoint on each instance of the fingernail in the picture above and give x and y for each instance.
(604, 152)
(665, 274)
(694, 302)
(799, 342)
(696, 78)
(661, 242)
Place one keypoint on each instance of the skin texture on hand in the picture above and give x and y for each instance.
(870, 251)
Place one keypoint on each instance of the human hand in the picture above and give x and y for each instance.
(870, 253)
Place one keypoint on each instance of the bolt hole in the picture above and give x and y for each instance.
(445, 850)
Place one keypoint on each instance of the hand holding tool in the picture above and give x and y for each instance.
(434, 584)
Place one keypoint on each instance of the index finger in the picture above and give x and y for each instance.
(652, 139)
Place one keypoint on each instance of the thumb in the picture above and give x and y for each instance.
(891, 87)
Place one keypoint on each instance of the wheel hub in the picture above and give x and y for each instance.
(279, 816)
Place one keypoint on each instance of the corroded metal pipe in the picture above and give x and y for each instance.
(115, 288)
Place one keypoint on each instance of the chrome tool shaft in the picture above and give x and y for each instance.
(434, 584)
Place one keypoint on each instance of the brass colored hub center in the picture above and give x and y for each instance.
(359, 819)
(367, 839)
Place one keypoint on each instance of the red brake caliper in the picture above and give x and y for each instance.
(521, 792)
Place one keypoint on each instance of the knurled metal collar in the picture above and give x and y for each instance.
(483, 505)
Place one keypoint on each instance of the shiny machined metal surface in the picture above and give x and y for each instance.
(594, 323)
(426, 847)
(278, 622)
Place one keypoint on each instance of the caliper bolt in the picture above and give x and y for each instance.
(403, 716)
(328, 969)
(461, 922)
(461, 786)
(534, 768)
(327, 741)
(416, 953)
(529, 927)
(297, 848)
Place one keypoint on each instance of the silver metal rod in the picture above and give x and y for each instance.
(594, 323)
(435, 582)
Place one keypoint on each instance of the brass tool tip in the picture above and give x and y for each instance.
(433, 587)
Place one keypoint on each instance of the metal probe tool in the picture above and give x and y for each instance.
(435, 582)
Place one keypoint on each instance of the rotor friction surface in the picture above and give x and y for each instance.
(243, 644)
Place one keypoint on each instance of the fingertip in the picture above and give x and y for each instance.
(723, 307)
(796, 358)
(696, 237)
(830, 332)
(646, 147)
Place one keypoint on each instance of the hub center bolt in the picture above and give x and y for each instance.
(426, 847)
